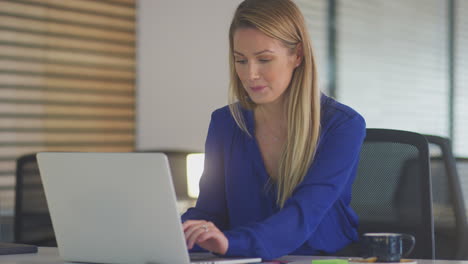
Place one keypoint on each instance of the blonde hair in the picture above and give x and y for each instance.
(282, 20)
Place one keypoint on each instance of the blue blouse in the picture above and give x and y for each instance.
(236, 197)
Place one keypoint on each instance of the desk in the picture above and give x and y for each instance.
(50, 256)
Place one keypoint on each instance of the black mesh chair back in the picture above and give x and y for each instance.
(32, 224)
(392, 190)
(448, 205)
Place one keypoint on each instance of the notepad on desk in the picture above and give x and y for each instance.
(12, 248)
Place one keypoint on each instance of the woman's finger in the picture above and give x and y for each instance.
(214, 241)
(194, 233)
(191, 227)
(189, 223)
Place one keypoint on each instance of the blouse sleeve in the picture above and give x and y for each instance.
(285, 231)
(211, 203)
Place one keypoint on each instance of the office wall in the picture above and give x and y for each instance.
(182, 75)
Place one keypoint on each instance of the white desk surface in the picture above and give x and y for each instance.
(50, 256)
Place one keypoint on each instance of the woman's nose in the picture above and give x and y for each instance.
(253, 72)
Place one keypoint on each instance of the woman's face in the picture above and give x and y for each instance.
(264, 65)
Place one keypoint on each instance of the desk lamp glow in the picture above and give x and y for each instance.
(195, 163)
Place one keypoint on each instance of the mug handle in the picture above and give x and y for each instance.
(412, 241)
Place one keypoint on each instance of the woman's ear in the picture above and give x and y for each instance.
(299, 54)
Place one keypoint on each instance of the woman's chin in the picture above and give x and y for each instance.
(260, 101)
(263, 100)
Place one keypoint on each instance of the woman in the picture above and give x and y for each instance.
(280, 162)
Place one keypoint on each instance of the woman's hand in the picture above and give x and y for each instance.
(206, 235)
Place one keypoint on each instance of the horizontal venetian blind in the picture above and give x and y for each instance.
(315, 14)
(393, 63)
(460, 143)
(67, 80)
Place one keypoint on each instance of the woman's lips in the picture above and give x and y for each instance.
(257, 88)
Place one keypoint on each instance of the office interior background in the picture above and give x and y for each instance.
(134, 75)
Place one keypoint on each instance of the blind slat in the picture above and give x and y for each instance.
(66, 30)
(11, 79)
(58, 137)
(93, 6)
(64, 43)
(66, 97)
(21, 150)
(53, 110)
(68, 16)
(123, 2)
(42, 68)
(30, 144)
(70, 124)
(65, 57)
(7, 181)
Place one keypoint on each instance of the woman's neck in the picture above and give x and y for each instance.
(271, 122)
(273, 113)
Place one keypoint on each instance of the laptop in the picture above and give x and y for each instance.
(116, 208)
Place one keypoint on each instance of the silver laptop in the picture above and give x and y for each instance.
(116, 208)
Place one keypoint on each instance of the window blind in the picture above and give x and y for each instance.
(67, 80)
(460, 145)
(393, 62)
(315, 14)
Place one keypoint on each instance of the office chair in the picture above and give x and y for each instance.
(450, 224)
(392, 190)
(32, 223)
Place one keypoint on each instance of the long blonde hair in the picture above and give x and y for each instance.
(282, 20)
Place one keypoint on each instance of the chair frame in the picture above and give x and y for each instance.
(456, 195)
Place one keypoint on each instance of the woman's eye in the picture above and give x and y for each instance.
(241, 61)
(264, 60)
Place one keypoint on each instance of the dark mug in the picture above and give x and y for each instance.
(387, 247)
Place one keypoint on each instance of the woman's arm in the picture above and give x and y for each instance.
(211, 203)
